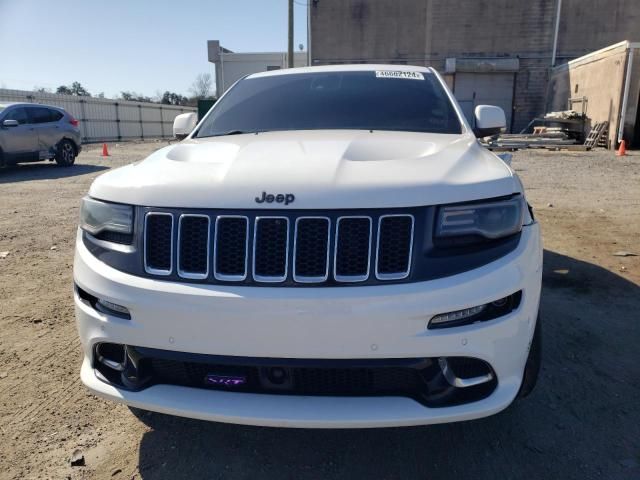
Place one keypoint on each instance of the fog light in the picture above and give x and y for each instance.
(277, 375)
(456, 316)
(112, 308)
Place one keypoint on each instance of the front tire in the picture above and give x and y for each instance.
(65, 153)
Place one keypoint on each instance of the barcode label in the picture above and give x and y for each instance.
(399, 74)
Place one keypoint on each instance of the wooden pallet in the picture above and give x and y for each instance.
(595, 135)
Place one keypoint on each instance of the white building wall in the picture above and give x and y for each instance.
(231, 67)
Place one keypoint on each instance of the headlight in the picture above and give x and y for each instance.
(490, 220)
(97, 217)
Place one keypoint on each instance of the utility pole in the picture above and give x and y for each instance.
(290, 46)
(309, 32)
(555, 33)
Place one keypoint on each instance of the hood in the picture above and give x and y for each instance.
(321, 169)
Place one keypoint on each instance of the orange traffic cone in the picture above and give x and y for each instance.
(622, 149)
(105, 151)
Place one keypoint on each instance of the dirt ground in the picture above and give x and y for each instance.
(582, 421)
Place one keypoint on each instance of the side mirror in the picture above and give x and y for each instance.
(184, 124)
(10, 123)
(490, 120)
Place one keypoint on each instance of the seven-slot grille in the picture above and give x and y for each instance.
(275, 249)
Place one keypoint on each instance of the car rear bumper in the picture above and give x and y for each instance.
(372, 322)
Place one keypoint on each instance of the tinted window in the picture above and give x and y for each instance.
(334, 100)
(56, 115)
(41, 115)
(19, 114)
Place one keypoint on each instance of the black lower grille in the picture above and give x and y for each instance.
(467, 367)
(356, 381)
(300, 381)
(419, 378)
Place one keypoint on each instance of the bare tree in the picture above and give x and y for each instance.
(201, 86)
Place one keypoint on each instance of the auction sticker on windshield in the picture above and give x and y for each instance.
(399, 74)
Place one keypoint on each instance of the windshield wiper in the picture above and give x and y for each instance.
(229, 132)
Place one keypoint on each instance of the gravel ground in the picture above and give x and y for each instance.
(582, 421)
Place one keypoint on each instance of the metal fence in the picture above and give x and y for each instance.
(103, 120)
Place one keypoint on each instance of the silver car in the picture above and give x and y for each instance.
(30, 132)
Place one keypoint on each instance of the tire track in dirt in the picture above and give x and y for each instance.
(40, 360)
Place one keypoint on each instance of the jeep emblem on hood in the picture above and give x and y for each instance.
(285, 198)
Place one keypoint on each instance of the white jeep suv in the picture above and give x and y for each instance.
(330, 247)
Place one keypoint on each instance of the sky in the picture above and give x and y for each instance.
(145, 46)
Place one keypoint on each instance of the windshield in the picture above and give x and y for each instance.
(363, 100)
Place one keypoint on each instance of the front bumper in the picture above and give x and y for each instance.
(369, 322)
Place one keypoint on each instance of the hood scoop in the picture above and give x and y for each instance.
(379, 150)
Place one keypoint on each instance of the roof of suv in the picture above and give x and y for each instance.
(359, 67)
(27, 104)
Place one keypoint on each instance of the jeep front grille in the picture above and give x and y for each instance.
(311, 249)
(353, 249)
(231, 248)
(193, 243)
(270, 249)
(394, 246)
(158, 243)
(279, 249)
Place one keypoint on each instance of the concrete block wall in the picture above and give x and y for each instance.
(530, 91)
(350, 31)
(426, 32)
(589, 25)
(489, 27)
